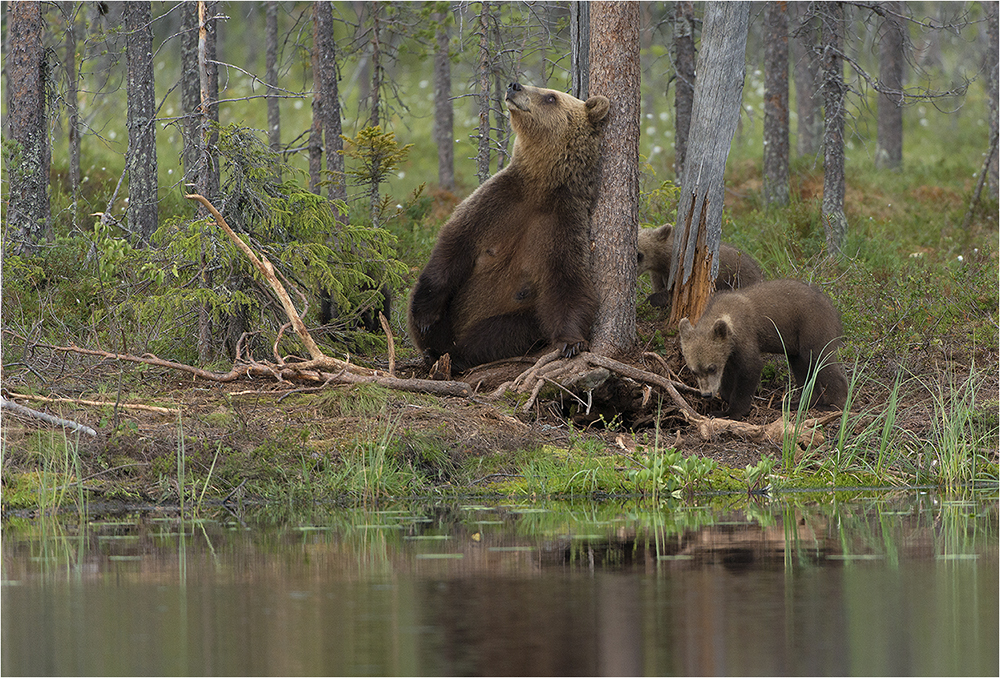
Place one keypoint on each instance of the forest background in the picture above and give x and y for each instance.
(917, 284)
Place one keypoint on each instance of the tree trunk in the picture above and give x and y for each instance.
(889, 151)
(271, 67)
(375, 117)
(684, 60)
(72, 104)
(28, 210)
(141, 112)
(326, 130)
(190, 92)
(807, 100)
(483, 95)
(776, 104)
(990, 8)
(716, 111)
(579, 39)
(207, 183)
(834, 94)
(444, 110)
(615, 73)
(208, 79)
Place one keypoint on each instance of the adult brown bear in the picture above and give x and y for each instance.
(510, 271)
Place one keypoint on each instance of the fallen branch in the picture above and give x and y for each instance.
(96, 403)
(264, 266)
(47, 418)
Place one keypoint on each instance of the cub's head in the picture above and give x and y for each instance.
(554, 127)
(706, 349)
(655, 248)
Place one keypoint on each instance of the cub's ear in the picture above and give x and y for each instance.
(721, 329)
(665, 232)
(685, 328)
(597, 109)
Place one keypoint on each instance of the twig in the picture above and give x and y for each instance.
(982, 179)
(392, 345)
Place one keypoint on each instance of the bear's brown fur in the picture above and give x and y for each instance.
(725, 349)
(510, 270)
(656, 248)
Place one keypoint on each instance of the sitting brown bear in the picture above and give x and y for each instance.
(656, 248)
(510, 271)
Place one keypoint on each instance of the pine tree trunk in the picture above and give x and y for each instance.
(141, 112)
(483, 95)
(208, 79)
(615, 73)
(834, 94)
(990, 9)
(717, 99)
(889, 151)
(579, 40)
(27, 212)
(271, 74)
(72, 104)
(808, 98)
(190, 92)
(444, 110)
(684, 61)
(776, 104)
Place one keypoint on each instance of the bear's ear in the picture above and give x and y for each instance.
(721, 329)
(597, 109)
(685, 328)
(665, 232)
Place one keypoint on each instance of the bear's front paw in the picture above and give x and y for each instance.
(568, 349)
(425, 313)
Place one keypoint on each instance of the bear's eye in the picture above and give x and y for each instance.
(550, 99)
(710, 369)
(640, 257)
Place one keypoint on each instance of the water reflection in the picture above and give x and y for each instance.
(906, 584)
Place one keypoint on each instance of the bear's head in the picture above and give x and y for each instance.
(706, 348)
(655, 248)
(557, 134)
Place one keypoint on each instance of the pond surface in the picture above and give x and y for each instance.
(876, 585)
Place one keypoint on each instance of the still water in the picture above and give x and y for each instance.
(879, 584)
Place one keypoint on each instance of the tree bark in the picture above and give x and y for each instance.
(207, 182)
(579, 40)
(444, 109)
(889, 150)
(990, 9)
(684, 61)
(271, 74)
(809, 131)
(28, 210)
(327, 127)
(776, 104)
(615, 73)
(140, 120)
(714, 116)
(834, 94)
(72, 103)
(375, 117)
(190, 92)
(483, 95)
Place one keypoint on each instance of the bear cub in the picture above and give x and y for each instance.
(725, 349)
(656, 248)
(510, 271)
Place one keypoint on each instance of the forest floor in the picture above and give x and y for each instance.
(266, 439)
